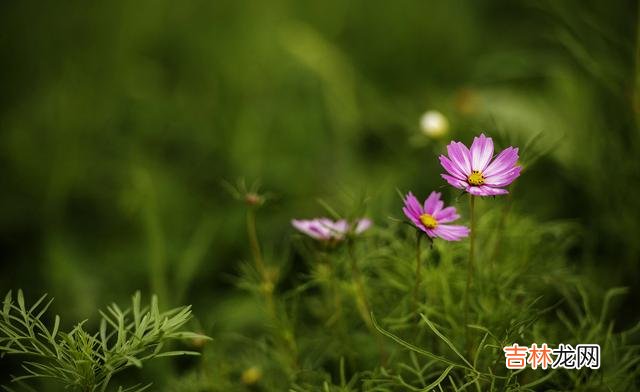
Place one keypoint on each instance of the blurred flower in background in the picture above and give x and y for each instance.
(434, 124)
(251, 375)
(325, 229)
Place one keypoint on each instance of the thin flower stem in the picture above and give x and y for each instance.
(470, 267)
(253, 241)
(361, 301)
(267, 285)
(416, 289)
(333, 288)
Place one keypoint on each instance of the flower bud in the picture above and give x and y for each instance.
(434, 124)
(251, 375)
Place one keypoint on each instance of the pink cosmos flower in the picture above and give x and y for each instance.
(325, 229)
(430, 217)
(474, 171)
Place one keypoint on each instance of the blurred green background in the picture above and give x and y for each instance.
(120, 119)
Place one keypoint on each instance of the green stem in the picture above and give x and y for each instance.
(157, 254)
(416, 288)
(267, 285)
(470, 267)
(333, 289)
(361, 300)
(253, 242)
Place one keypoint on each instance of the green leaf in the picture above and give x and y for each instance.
(439, 379)
(444, 338)
(133, 360)
(412, 347)
(6, 306)
(136, 308)
(190, 335)
(177, 353)
(56, 325)
(21, 301)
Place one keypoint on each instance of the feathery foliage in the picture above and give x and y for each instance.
(83, 361)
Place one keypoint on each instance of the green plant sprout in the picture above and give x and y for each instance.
(83, 361)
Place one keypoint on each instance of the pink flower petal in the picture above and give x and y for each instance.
(430, 232)
(504, 178)
(412, 203)
(505, 161)
(326, 229)
(451, 232)
(415, 219)
(451, 168)
(412, 209)
(460, 156)
(446, 215)
(312, 228)
(484, 190)
(481, 152)
(455, 182)
(326, 225)
(362, 225)
(340, 227)
(411, 215)
(433, 203)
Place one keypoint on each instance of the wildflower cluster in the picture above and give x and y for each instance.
(474, 170)
(471, 170)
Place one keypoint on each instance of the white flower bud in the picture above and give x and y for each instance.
(434, 124)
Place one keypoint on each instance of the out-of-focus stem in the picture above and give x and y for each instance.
(361, 300)
(253, 241)
(333, 287)
(416, 288)
(157, 254)
(470, 267)
(267, 286)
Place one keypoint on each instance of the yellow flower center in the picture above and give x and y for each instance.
(428, 221)
(475, 178)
